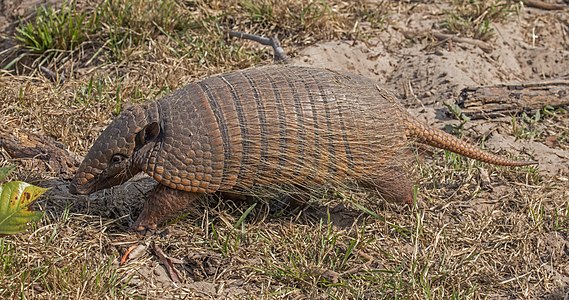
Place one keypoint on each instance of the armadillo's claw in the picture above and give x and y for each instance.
(149, 217)
(143, 228)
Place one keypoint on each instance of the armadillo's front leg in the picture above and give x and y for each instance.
(163, 204)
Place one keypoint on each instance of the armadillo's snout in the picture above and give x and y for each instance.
(82, 184)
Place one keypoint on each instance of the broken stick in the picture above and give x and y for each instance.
(510, 99)
(274, 42)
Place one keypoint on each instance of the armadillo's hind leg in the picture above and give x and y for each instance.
(163, 204)
(393, 184)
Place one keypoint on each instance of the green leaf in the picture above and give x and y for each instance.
(15, 199)
(5, 172)
(244, 215)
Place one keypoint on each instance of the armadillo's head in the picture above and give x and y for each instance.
(115, 155)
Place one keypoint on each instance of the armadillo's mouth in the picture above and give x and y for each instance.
(82, 189)
(86, 183)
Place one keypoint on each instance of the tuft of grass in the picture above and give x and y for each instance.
(259, 11)
(318, 258)
(527, 126)
(304, 22)
(92, 92)
(561, 219)
(55, 29)
(474, 18)
(126, 24)
(29, 270)
(457, 113)
(229, 245)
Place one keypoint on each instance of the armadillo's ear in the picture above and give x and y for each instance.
(149, 133)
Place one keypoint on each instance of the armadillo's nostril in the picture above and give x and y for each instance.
(77, 185)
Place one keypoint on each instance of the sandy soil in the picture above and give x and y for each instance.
(424, 79)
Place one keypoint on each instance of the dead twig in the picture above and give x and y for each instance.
(274, 42)
(125, 255)
(449, 37)
(133, 252)
(51, 75)
(544, 5)
(167, 262)
(329, 275)
(22, 144)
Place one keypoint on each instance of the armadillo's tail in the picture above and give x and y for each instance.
(440, 139)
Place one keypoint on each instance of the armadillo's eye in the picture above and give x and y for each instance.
(117, 158)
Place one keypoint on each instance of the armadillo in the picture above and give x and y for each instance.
(268, 127)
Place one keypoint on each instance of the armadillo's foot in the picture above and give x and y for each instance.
(296, 200)
(235, 197)
(393, 185)
(162, 204)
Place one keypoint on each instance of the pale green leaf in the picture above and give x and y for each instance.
(15, 200)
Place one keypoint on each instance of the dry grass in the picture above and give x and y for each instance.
(466, 238)
(474, 18)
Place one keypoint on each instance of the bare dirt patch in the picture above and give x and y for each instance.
(477, 231)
